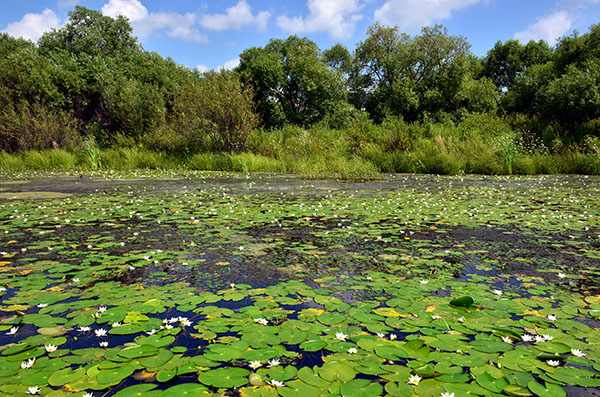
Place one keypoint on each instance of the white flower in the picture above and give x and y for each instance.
(84, 329)
(497, 292)
(435, 317)
(461, 319)
(380, 335)
(447, 394)
(352, 350)
(76, 280)
(262, 321)
(539, 339)
(553, 363)
(561, 275)
(393, 336)
(50, 348)
(100, 332)
(577, 352)
(168, 326)
(551, 317)
(88, 395)
(414, 380)
(173, 320)
(340, 336)
(12, 331)
(42, 305)
(89, 246)
(103, 344)
(33, 390)
(186, 323)
(547, 337)
(232, 285)
(28, 364)
(117, 324)
(276, 383)
(241, 248)
(273, 363)
(423, 282)
(527, 338)
(255, 364)
(507, 339)
(151, 332)
(102, 309)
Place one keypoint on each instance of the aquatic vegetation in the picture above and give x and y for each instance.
(431, 286)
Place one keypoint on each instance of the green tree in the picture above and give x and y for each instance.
(291, 82)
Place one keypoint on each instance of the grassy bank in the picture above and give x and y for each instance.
(362, 150)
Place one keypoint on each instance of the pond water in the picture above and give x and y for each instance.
(230, 284)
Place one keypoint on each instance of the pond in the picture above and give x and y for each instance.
(167, 283)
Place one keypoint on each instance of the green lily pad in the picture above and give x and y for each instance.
(225, 377)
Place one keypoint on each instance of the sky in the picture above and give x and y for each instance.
(212, 34)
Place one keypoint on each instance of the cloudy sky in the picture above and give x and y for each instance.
(211, 34)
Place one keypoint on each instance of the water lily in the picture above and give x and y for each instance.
(28, 364)
(117, 324)
(577, 352)
(50, 348)
(276, 383)
(507, 339)
(497, 292)
(414, 380)
(553, 363)
(551, 317)
(262, 321)
(103, 344)
(100, 332)
(539, 339)
(380, 335)
(151, 332)
(352, 350)
(12, 331)
(186, 323)
(393, 336)
(561, 275)
(447, 394)
(42, 305)
(84, 329)
(33, 390)
(88, 395)
(423, 282)
(341, 336)
(460, 319)
(547, 337)
(76, 280)
(526, 338)
(232, 285)
(273, 363)
(255, 364)
(435, 317)
(102, 309)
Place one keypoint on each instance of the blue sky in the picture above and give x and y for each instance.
(212, 34)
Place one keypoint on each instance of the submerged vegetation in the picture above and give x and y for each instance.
(396, 103)
(214, 283)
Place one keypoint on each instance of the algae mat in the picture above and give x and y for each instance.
(273, 285)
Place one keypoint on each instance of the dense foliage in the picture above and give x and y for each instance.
(91, 85)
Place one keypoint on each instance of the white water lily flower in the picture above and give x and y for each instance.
(117, 324)
(273, 363)
(168, 326)
(12, 331)
(84, 329)
(276, 383)
(255, 364)
(460, 319)
(393, 336)
(76, 280)
(507, 339)
(173, 320)
(186, 323)
(423, 282)
(50, 348)
(561, 275)
(553, 363)
(341, 336)
(539, 339)
(262, 321)
(577, 352)
(551, 317)
(42, 305)
(352, 350)
(527, 338)
(414, 380)
(380, 335)
(151, 332)
(88, 395)
(103, 344)
(100, 332)
(33, 390)
(547, 337)
(232, 285)
(497, 292)
(447, 394)
(435, 317)
(28, 364)
(102, 309)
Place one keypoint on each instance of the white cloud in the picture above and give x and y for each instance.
(32, 26)
(144, 24)
(235, 17)
(411, 15)
(132, 9)
(231, 64)
(548, 28)
(202, 68)
(338, 18)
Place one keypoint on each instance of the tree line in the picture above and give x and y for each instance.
(91, 83)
